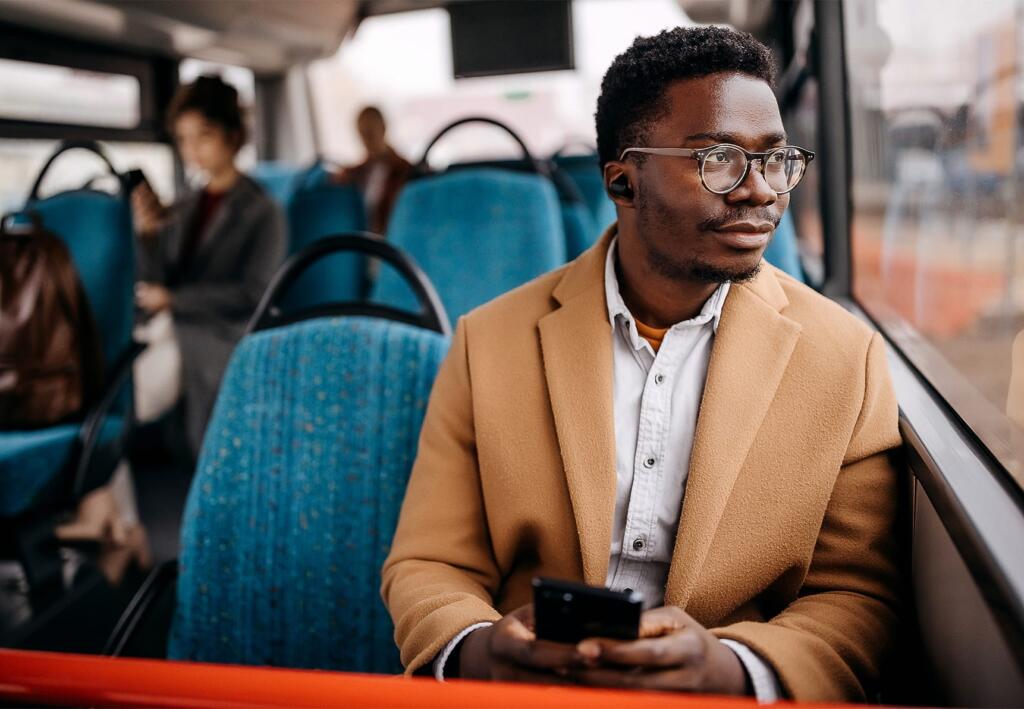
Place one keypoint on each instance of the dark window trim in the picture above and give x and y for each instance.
(829, 61)
(157, 77)
(981, 507)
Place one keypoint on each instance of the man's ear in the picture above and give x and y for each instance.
(619, 184)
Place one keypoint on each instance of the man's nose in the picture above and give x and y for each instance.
(754, 189)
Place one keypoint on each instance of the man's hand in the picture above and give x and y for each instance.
(509, 651)
(152, 297)
(674, 653)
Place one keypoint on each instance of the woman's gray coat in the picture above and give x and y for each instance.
(214, 297)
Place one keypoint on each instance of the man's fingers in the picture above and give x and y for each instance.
(663, 680)
(511, 672)
(538, 654)
(662, 621)
(684, 647)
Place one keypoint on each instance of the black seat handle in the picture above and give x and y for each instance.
(422, 167)
(65, 146)
(432, 316)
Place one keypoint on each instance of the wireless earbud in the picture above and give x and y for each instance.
(620, 187)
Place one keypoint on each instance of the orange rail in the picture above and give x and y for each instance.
(87, 680)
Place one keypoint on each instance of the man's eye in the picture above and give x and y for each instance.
(720, 156)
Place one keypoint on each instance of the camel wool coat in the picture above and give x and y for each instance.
(786, 541)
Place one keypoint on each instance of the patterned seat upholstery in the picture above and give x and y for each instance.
(313, 213)
(297, 494)
(476, 233)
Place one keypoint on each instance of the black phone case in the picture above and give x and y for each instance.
(568, 612)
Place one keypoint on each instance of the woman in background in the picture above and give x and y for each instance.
(203, 263)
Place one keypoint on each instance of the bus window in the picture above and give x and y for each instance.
(419, 95)
(936, 118)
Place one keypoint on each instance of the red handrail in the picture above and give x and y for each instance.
(28, 677)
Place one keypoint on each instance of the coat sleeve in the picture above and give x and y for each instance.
(237, 298)
(441, 575)
(830, 643)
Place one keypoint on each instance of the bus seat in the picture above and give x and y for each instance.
(586, 173)
(46, 470)
(315, 212)
(782, 251)
(279, 179)
(580, 232)
(299, 485)
(477, 233)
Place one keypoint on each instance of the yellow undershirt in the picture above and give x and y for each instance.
(653, 335)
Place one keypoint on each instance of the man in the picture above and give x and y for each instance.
(382, 175)
(563, 437)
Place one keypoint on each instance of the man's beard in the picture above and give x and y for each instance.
(690, 269)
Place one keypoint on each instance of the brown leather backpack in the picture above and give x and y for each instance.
(50, 359)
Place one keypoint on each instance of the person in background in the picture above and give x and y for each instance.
(203, 263)
(382, 175)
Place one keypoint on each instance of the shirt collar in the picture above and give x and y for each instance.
(617, 310)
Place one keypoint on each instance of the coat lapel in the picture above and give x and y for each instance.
(752, 348)
(577, 350)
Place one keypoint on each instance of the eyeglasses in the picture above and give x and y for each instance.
(724, 167)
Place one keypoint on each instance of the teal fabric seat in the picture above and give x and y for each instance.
(29, 460)
(96, 228)
(586, 173)
(297, 494)
(782, 252)
(580, 232)
(279, 179)
(315, 212)
(476, 233)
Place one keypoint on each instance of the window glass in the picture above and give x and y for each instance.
(938, 256)
(46, 93)
(418, 94)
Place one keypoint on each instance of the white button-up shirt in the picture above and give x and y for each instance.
(656, 402)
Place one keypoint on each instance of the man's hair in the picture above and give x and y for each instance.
(214, 99)
(633, 90)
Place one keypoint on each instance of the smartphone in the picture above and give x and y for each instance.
(567, 612)
(134, 178)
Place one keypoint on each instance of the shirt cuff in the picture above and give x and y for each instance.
(766, 685)
(442, 659)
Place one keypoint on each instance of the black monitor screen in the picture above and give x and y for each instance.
(491, 37)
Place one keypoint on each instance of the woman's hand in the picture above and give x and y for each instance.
(148, 215)
(152, 297)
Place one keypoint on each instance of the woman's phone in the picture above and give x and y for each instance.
(134, 178)
(567, 612)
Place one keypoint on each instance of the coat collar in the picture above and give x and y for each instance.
(751, 351)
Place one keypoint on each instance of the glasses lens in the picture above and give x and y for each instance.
(783, 169)
(723, 168)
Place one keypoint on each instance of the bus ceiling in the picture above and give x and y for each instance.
(267, 36)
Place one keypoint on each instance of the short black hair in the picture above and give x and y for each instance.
(214, 99)
(633, 89)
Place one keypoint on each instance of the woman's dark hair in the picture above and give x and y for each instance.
(633, 89)
(216, 101)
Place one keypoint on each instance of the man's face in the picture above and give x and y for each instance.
(687, 232)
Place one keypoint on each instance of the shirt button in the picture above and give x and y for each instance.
(659, 378)
(649, 462)
(638, 544)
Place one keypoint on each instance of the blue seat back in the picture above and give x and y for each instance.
(97, 229)
(585, 171)
(297, 494)
(476, 233)
(580, 232)
(279, 179)
(782, 252)
(315, 212)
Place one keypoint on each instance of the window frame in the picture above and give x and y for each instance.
(977, 498)
(157, 77)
